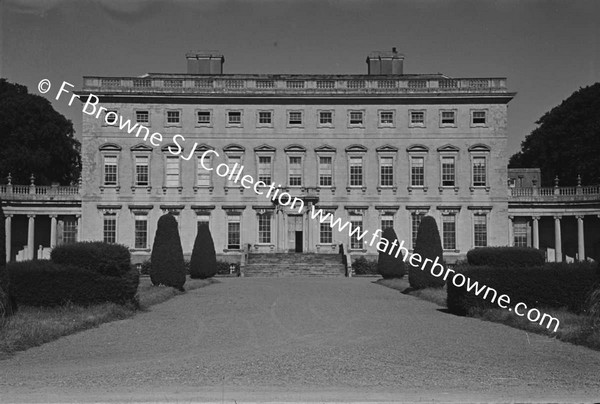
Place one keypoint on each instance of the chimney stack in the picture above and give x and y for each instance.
(204, 62)
(385, 62)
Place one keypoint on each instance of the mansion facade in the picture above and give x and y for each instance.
(375, 150)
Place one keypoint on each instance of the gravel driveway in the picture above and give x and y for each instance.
(301, 339)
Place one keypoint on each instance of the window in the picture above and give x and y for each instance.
(294, 118)
(520, 233)
(417, 118)
(111, 118)
(264, 169)
(295, 173)
(387, 221)
(172, 172)
(479, 171)
(203, 175)
(386, 118)
(142, 116)
(480, 230)
(203, 118)
(356, 172)
(141, 231)
(478, 118)
(325, 118)
(141, 171)
(231, 162)
(356, 118)
(386, 171)
(325, 234)
(233, 232)
(356, 222)
(325, 171)
(265, 118)
(417, 171)
(110, 170)
(449, 232)
(203, 220)
(110, 229)
(234, 118)
(415, 222)
(448, 172)
(264, 228)
(69, 231)
(447, 118)
(173, 117)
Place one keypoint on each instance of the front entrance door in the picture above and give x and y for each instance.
(295, 236)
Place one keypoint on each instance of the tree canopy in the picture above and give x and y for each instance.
(566, 142)
(35, 139)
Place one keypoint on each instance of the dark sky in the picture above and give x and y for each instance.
(546, 49)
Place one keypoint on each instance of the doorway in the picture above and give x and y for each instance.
(295, 233)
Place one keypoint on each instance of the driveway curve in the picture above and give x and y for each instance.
(301, 339)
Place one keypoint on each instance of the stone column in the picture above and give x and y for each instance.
(536, 232)
(78, 227)
(580, 238)
(52, 231)
(8, 232)
(511, 238)
(30, 234)
(557, 239)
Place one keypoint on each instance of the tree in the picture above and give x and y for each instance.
(203, 263)
(168, 267)
(567, 141)
(428, 245)
(388, 265)
(35, 139)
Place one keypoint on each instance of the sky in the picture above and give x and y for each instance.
(546, 49)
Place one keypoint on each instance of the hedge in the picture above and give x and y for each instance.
(203, 263)
(96, 256)
(429, 246)
(168, 267)
(45, 283)
(506, 256)
(363, 266)
(555, 285)
(388, 265)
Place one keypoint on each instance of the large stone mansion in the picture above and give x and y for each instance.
(377, 150)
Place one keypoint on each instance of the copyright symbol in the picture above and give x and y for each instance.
(44, 86)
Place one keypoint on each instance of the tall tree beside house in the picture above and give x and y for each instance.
(567, 141)
(168, 267)
(388, 265)
(203, 263)
(428, 245)
(35, 139)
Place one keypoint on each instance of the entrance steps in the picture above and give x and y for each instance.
(294, 264)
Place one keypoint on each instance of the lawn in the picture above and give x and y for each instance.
(579, 329)
(33, 326)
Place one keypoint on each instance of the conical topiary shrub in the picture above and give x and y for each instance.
(204, 259)
(427, 245)
(388, 265)
(167, 255)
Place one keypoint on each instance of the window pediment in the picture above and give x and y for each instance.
(110, 147)
(140, 147)
(265, 148)
(325, 149)
(417, 148)
(448, 148)
(387, 148)
(479, 147)
(234, 148)
(356, 148)
(295, 148)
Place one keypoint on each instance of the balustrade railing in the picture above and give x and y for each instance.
(590, 192)
(39, 192)
(293, 84)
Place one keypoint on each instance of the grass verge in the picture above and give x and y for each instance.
(579, 329)
(33, 326)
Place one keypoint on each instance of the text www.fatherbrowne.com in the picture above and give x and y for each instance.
(92, 107)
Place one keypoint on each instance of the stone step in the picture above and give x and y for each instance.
(294, 264)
